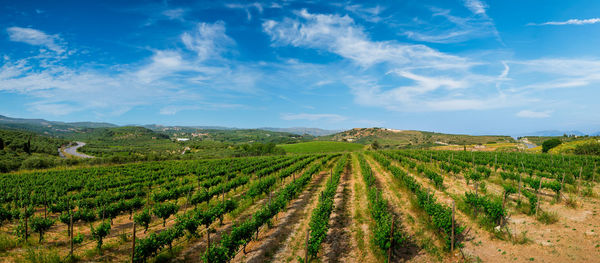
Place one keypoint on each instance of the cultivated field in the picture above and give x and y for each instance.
(373, 206)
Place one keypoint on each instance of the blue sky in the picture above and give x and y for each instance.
(463, 66)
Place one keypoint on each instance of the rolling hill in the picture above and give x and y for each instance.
(390, 138)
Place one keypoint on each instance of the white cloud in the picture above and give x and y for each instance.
(340, 35)
(247, 7)
(36, 38)
(371, 14)
(447, 28)
(175, 14)
(168, 77)
(313, 117)
(569, 22)
(533, 114)
(207, 40)
(476, 6)
(432, 80)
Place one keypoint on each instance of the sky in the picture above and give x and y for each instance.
(455, 66)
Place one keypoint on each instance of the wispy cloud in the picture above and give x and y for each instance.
(208, 40)
(247, 7)
(181, 77)
(313, 117)
(476, 6)
(175, 14)
(436, 81)
(447, 28)
(340, 35)
(568, 22)
(36, 38)
(534, 114)
(371, 14)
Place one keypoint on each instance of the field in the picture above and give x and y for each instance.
(362, 206)
(321, 147)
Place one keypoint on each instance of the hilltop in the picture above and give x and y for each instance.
(391, 138)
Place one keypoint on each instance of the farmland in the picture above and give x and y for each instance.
(369, 206)
(321, 146)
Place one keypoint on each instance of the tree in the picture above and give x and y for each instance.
(164, 211)
(549, 144)
(41, 225)
(375, 145)
(143, 219)
(27, 146)
(1, 144)
(100, 232)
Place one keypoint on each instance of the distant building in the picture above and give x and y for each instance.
(183, 139)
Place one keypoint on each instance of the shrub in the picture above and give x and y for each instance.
(549, 144)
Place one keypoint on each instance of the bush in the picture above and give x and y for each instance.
(592, 148)
(547, 217)
(37, 163)
(549, 144)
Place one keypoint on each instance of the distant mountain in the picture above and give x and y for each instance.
(49, 127)
(302, 130)
(553, 133)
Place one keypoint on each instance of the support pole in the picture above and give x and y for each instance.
(133, 244)
(71, 232)
(452, 237)
(306, 246)
(391, 242)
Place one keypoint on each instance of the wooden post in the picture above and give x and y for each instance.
(306, 250)
(594, 172)
(391, 242)
(207, 244)
(71, 232)
(45, 206)
(579, 179)
(476, 210)
(133, 244)
(452, 237)
(26, 232)
(519, 186)
(495, 161)
(538, 197)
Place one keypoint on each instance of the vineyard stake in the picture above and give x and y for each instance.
(45, 206)
(594, 172)
(538, 197)
(519, 186)
(452, 237)
(133, 244)
(579, 179)
(207, 244)
(306, 250)
(562, 184)
(391, 242)
(26, 232)
(71, 234)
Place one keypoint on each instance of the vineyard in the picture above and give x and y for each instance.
(363, 206)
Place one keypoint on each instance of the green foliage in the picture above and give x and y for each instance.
(440, 215)
(257, 149)
(321, 147)
(319, 221)
(78, 239)
(100, 232)
(492, 206)
(591, 148)
(143, 219)
(164, 210)
(41, 225)
(549, 144)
